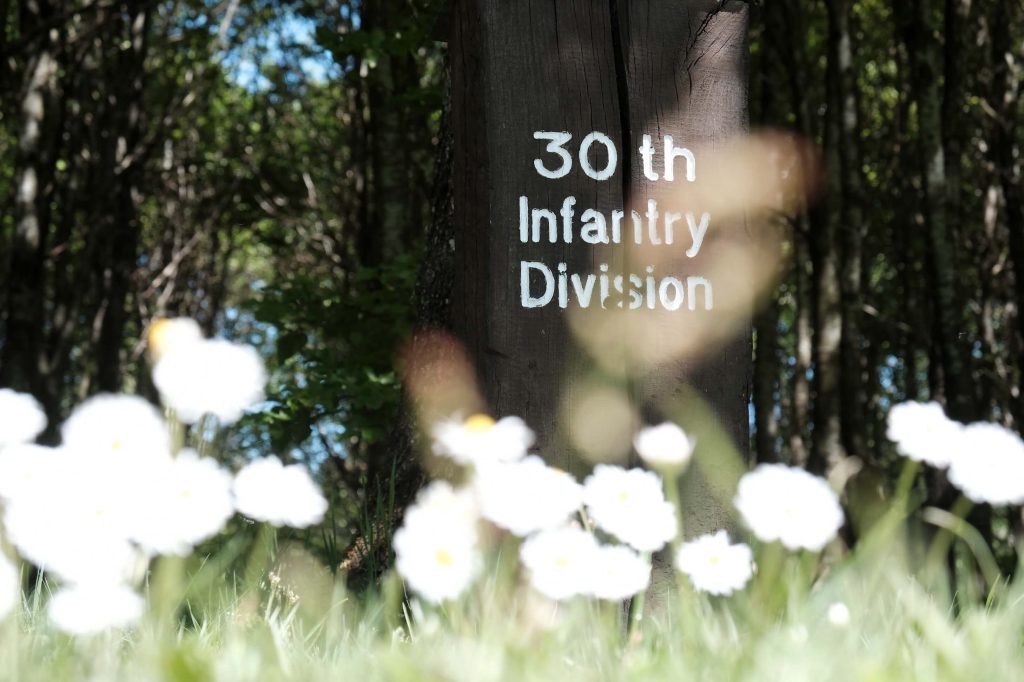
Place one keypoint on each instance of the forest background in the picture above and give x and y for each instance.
(279, 171)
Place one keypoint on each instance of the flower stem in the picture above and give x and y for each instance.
(944, 537)
(670, 481)
(906, 481)
(177, 431)
(671, 485)
(262, 551)
(636, 612)
(166, 591)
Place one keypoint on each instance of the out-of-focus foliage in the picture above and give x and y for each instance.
(263, 167)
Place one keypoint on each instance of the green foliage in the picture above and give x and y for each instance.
(335, 351)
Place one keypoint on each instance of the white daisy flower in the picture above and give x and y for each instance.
(79, 529)
(631, 506)
(526, 496)
(991, 466)
(91, 609)
(665, 446)
(267, 490)
(26, 469)
(714, 565)
(168, 333)
(481, 439)
(617, 573)
(213, 376)
(125, 429)
(838, 614)
(560, 561)
(458, 507)
(21, 418)
(436, 549)
(789, 505)
(190, 502)
(924, 433)
(10, 586)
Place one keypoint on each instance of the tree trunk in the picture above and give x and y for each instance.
(624, 70)
(787, 18)
(947, 304)
(1005, 149)
(23, 362)
(391, 214)
(853, 401)
(828, 447)
(766, 373)
(129, 91)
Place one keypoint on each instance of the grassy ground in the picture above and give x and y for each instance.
(301, 625)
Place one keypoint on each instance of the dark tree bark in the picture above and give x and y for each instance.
(625, 70)
(391, 216)
(126, 176)
(1005, 149)
(948, 308)
(782, 19)
(23, 362)
(828, 446)
(853, 399)
(766, 372)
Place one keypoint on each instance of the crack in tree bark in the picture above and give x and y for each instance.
(622, 86)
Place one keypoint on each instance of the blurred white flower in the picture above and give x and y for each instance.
(210, 377)
(10, 586)
(169, 333)
(991, 466)
(631, 506)
(838, 614)
(788, 504)
(121, 428)
(665, 446)
(924, 433)
(436, 550)
(481, 439)
(440, 502)
(267, 490)
(714, 565)
(21, 418)
(91, 609)
(26, 469)
(560, 561)
(190, 502)
(617, 573)
(526, 496)
(79, 529)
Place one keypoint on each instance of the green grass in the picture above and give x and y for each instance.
(303, 625)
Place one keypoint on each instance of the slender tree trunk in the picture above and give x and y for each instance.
(948, 307)
(390, 215)
(786, 18)
(1006, 150)
(766, 374)
(853, 401)
(828, 447)
(804, 344)
(23, 361)
(129, 91)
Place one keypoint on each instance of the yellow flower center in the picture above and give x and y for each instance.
(157, 336)
(714, 560)
(444, 557)
(479, 423)
(116, 445)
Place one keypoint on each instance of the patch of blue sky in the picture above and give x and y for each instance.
(289, 41)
